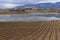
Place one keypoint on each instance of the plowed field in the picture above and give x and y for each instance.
(42, 30)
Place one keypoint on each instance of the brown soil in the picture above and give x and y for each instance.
(41, 30)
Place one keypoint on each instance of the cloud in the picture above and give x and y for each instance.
(35, 1)
(27, 1)
(13, 3)
(9, 5)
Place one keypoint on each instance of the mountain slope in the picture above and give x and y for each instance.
(41, 5)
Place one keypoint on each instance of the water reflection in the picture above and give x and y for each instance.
(30, 17)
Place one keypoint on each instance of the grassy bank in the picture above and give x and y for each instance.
(28, 11)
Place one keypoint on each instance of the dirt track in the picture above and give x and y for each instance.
(30, 30)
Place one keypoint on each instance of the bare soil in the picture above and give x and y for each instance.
(41, 30)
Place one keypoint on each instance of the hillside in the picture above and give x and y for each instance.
(41, 5)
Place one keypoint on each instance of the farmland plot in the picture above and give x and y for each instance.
(42, 30)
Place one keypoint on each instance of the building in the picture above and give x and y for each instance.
(30, 9)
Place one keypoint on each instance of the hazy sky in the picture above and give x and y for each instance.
(13, 3)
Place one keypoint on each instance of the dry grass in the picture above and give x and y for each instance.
(28, 11)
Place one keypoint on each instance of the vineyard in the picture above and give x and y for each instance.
(41, 30)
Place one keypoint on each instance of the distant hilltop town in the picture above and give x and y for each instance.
(29, 10)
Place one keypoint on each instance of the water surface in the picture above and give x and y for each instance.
(29, 17)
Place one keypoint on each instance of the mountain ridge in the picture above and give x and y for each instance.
(41, 5)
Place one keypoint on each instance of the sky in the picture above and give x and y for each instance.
(13, 3)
